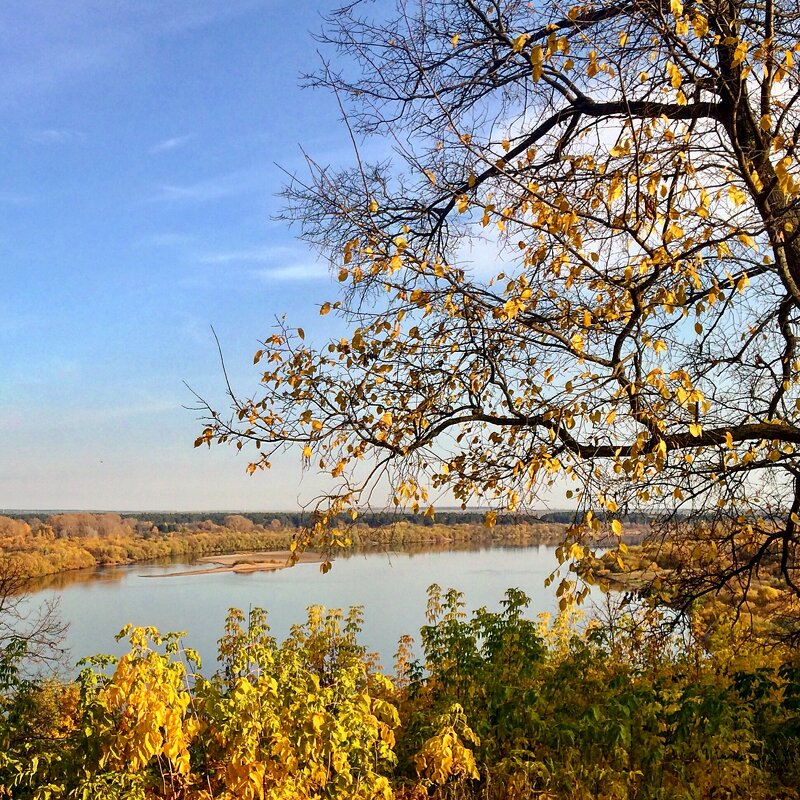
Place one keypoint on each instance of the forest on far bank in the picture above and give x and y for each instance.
(33, 546)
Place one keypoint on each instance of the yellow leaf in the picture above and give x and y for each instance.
(700, 25)
(324, 309)
(616, 527)
(674, 74)
(739, 53)
(537, 59)
(615, 190)
(386, 420)
(623, 38)
(696, 429)
(519, 42)
(454, 40)
(673, 232)
(593, 67)
(736, 195)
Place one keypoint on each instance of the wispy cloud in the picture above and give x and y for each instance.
(269, 263)
(49, 44)
(208, 189)
(175, 143)
(56, 136)
(17, 418)
(291, 273)
(487, 255)
(168, 239)
(16, 199)
(264, 254)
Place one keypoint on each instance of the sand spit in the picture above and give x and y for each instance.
(269, 561)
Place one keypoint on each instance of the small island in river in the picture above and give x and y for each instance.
(269, 561)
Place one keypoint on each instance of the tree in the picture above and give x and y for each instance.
(631, 170)
(31, 637)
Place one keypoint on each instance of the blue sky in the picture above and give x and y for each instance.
(137, 191)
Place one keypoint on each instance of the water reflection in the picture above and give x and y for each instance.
(391, 586)
(111, 574)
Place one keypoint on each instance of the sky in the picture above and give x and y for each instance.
(143, 144)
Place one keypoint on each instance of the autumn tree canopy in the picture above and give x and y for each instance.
(580, 261)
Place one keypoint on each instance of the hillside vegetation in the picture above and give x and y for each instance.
(495, 706)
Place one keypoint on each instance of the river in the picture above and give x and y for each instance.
(390, 587)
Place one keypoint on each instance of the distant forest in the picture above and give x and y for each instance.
(34, 545)
(173, 521)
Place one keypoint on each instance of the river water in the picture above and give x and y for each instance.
(390, 586)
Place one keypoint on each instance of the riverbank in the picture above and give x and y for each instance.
(69, 542)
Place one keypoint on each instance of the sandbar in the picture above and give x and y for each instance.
(268, 561)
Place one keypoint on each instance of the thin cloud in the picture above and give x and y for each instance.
(292, 273)
(273, 263)
(49, 45)
(206, 190)
(264, 254)
(17, 419)
(56, 136)
(15, 199)
(167, 239)
(175, 143)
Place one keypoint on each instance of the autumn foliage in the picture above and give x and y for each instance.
(577, 271)
(496, 706)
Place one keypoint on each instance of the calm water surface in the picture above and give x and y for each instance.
(390, 587)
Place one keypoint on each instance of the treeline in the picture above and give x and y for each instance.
(36, 547)
(85, 523)
(495, 707)
(167, 522)
(63, 542)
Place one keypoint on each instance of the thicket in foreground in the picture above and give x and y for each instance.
(498, 706)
